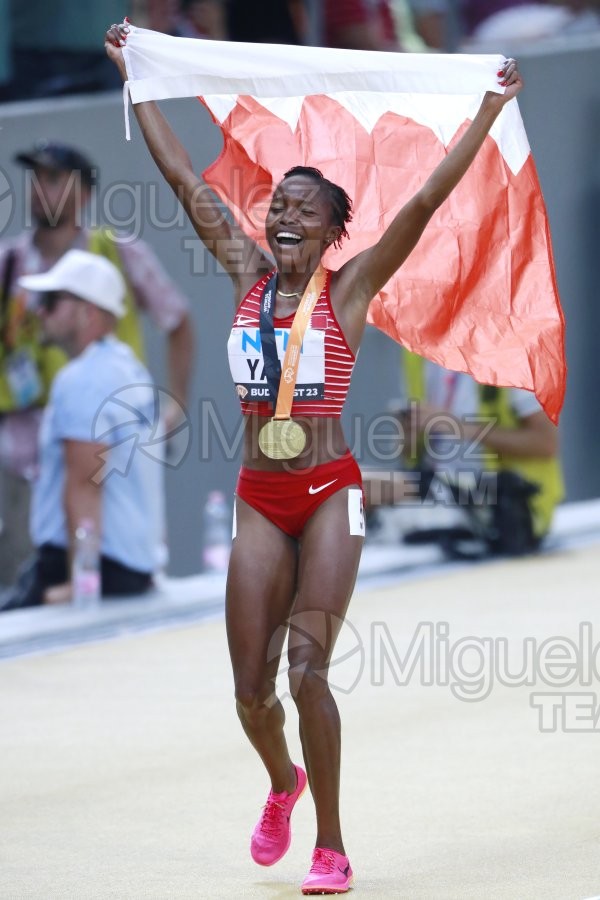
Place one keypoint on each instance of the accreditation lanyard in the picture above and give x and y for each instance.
(282, 384)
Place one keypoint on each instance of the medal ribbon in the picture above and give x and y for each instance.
(267, 337)
(282, 380)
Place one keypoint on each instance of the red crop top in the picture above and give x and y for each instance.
(326, 361)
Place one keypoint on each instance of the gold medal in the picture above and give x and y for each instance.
(282, 439)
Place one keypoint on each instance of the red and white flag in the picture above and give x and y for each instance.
(478, 294)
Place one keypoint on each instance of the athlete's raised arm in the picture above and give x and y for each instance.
(364, 275)
(239, 255)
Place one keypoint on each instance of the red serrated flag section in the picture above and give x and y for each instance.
(478, 294)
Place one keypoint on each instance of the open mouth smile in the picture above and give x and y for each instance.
(287, 239)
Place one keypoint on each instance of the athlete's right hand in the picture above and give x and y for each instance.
(114, 41)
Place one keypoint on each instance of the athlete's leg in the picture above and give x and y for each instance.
(260, 592)
(328, 564)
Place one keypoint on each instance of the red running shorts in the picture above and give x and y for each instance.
(288, 499)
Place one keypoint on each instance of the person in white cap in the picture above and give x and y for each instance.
(102, 412)
(61, 195)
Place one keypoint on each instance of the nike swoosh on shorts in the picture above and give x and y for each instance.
(316, 490)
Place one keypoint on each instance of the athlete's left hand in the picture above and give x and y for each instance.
(509, 78)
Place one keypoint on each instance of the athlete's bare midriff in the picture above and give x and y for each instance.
(325, 442)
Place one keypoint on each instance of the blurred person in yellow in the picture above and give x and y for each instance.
(489, 454)
(93, 474)
(61, 182)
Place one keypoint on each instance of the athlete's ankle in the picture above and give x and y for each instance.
(290, 783)
(334, 843)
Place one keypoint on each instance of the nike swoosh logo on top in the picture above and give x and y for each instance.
(316, 490)
(244, 322)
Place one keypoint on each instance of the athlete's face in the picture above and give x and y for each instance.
(299, 224)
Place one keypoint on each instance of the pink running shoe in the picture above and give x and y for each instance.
(330, 873)
(272, 836)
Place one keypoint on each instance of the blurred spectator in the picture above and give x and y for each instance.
(360, 25)
(433, 21)
(182, 18)
(158, 15)
(404, 22)
(445, 24)
(454, 431)
(91, 467)
(267, 21)
(57, 47)
(202, 19)
(514, 23)
(500, 25)
(474, 12)
(59, 188)
(262, 21)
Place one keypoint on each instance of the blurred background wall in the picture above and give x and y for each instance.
(561, 111)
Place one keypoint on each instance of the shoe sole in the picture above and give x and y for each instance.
(327, 890)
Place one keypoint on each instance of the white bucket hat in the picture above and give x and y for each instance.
(85, 275)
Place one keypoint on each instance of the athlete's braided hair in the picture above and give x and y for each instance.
(341, 203)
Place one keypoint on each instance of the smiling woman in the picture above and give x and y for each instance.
(327, 199)
(299, 505)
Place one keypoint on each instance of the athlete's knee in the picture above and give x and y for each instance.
(308, 681)
(253, 702)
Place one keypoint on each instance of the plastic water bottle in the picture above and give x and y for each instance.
(86, 566)
(216, 539)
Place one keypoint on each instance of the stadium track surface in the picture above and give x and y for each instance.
(125, 773)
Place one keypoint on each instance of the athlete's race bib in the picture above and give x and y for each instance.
(248, 370)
